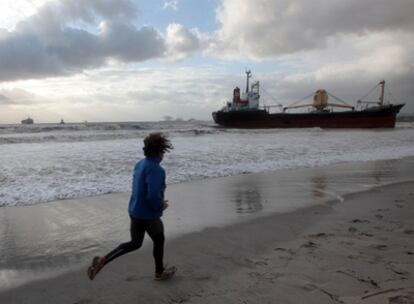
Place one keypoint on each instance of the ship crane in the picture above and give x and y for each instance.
(320, 102)
(380, 101)
(249, 75)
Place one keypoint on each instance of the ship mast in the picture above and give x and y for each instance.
(248, 75)
(381, 99)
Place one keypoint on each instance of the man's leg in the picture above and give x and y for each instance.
(155, 229)
(137, 236)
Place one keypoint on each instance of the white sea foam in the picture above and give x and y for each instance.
(41, 164)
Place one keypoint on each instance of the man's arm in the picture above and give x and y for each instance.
(155, 180)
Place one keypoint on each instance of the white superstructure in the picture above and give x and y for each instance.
(248, 100)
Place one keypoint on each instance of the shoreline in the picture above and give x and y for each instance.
(357, 251)
(333, 165)
(48, 239)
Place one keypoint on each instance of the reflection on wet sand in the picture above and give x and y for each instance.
(248, 201)
(245, 194)
(384, 170)
(318, 186)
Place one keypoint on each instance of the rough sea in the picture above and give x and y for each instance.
(41, 163)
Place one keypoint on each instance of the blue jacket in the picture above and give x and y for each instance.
(148, 188)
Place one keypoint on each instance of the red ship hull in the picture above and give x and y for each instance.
(378, 117)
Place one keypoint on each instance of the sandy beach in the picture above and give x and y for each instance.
(206, 152)
(358, 249)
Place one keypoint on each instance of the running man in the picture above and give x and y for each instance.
(145, 209)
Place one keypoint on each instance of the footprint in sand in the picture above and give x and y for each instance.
(255, 274)
(383, 210)
(203, 278)
(409, 231)
(352, 229)
(401, 300)
(380, 247)
(285, 250)
(398, 271)
(366, 234)
(348, 243)
(353, 274)
(312, 287)
(257, 262)
(359, 221)
(310, 244)
(319, 235)
(131, 278)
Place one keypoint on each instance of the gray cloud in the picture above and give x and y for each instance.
(125, 43)
(49, 44)
(269, 28)
(181, 41)
(58, 13)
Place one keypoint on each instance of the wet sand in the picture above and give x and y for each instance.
(358, 249)
(41, 240)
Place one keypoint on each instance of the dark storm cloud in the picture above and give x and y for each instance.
(126, 43)
(49, 43)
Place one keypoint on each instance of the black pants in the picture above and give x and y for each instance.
(155, 229)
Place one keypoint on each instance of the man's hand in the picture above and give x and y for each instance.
(165, 205)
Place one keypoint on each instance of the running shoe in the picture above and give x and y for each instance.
(167, 274)
(97, 264)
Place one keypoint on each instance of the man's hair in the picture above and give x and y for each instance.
(156, 143)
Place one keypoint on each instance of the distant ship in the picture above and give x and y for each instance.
(27, 121)
(244, 112)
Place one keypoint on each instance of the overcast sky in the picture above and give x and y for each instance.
(130, 60)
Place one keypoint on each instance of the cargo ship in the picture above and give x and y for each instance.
(244, 111)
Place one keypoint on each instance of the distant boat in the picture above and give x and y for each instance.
(62, 122)
(244, 112)
(27, 121)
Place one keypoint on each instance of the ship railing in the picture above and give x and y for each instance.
(365, 104)
(368, 102)
(268, 107)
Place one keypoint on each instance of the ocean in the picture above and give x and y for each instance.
(41, 163)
